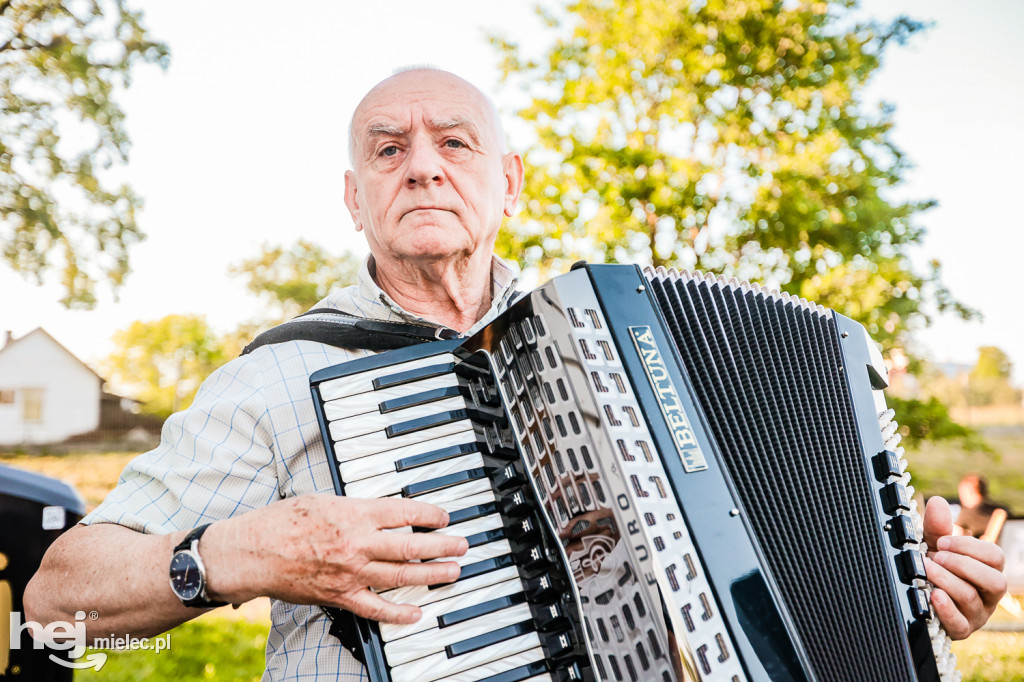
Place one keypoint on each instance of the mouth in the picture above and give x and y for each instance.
(429, 208)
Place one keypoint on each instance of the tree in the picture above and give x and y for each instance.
(163, 362)
(725, 135)
(988, 382)
(295, 278)
(61, 128)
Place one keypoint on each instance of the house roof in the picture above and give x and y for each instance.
(40, 330)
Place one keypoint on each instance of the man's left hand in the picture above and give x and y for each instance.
(967, 573)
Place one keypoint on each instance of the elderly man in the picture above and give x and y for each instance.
(430, 186)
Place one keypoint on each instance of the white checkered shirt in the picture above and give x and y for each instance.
(250, 438)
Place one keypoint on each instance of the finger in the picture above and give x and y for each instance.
(938, 521)
(384, 575)
(973, 579)
(396, 512)
(410, 546)
(369, 605)
(976, 548)
(952, 620)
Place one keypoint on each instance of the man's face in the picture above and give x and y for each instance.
(430, 181)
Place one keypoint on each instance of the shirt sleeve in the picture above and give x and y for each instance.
(215, 460)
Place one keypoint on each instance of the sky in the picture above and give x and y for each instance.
(242, 141)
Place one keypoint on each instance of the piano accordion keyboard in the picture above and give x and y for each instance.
(421, 429)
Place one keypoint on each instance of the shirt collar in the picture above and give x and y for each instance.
(504, 278)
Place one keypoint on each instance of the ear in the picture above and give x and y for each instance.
(513, 167)
(352, 201)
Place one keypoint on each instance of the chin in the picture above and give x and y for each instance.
(432, 245)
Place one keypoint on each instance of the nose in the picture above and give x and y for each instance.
(424, 165)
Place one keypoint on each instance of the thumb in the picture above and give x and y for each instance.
(938, 521)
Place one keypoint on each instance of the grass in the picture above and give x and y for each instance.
(937, 467)
(212, 647)
(991, 657)
(223, 645)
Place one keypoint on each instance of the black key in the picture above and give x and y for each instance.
(894, 497)
(477, 610)
(551, 617)
(902, 530)
(488, 639)
(523, 672)
(517, 504)
(481, 567)
(442, 482)
(525, 530)
(910, 565)
(919, 603)
(474, 512)
(466, 514)
(510, 476)
(534, 559)
(569, 673)
(485, 537)
(418, 399)
(435, 456)
(411, 375)
(558, 645)
(887, 465)
(497, 440)
(542, 589)
(423, 423)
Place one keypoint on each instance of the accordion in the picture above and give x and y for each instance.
(662, 476)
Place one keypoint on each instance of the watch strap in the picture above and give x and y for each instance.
(201, 600)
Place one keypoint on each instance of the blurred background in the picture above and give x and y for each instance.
(171, 182)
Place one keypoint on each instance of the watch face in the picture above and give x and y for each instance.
(186, 580)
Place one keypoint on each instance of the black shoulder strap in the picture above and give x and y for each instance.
(335, 328)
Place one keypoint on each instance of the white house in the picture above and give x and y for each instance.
(46, 394)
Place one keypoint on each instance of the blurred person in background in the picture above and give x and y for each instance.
(978, 517)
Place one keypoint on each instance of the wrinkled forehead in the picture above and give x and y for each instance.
(435, 98)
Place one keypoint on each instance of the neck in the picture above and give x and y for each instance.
(455, 294)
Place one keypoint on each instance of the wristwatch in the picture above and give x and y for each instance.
(188, 574)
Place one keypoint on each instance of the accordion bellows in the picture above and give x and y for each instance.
(664, 476)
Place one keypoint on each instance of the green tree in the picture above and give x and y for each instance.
(61, 128)
(163, 362)
(989, 379)
(292, 279)
(725, 135)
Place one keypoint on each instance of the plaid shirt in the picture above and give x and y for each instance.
(250, 438)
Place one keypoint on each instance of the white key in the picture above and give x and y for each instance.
(363, 382)
(436, 639)
(384, 462)
(480, 553)
(472, 527)
(428, 444)
(431, 612)
(430, 668)
(368, 423)
(419, 595)
(463, 503)
(363, 403)
(502, 665)
(464, 529)
(389, 484)
(457, 493)
(372, 443)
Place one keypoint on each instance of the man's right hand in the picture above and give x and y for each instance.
(330, 550)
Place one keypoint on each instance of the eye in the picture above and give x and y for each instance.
(454, 144)
(390, 150)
